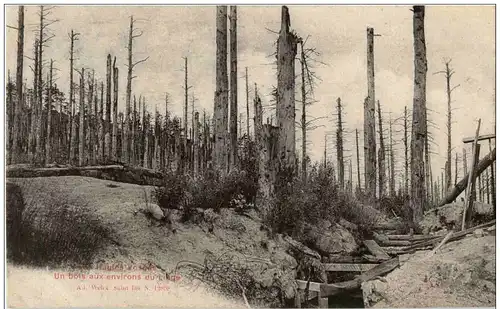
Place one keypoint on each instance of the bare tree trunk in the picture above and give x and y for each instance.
(381, 156)
(145, 163)
(257, 120)
(419, 116)
(34, 108)
(492, 184)
(303, 117)
(90, 126)
(101, 125)
(16, 149)
(221, 95)
(39, 133)
(357, 160)
(48, 138)
(392, 178)
(285, 120)
(248, 108)
(196, 137)
(156, 153)
(133, 145)
(72, 103)
(167, 135)
(464, 161)
(369, 123)
(9, 117)
(406, 151)
(340, 145)
(81, 142)
(456, 168)
(233, 51)
(114, 147)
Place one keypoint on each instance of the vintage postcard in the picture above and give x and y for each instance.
(250, 156)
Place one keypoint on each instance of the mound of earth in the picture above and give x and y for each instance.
(449, 216)
(460, 274)
(227, 239)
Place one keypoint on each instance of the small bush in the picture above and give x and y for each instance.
(58, 233)
(298, 204)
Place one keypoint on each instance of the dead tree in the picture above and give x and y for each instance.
(48, 137)
(72, 105)
(392, 178)
(196, 136)
(107, 114)
(419, 115)
(90, 127)
(357, 160)
(186, 89)
(34, 106)
(456, 168)
(448, 72)
(101, 125)
(248, 108)
(167, 134)
(130, 68)
(132, 140)
(381, 156)
(233, 50)
(16, 148)
(221, 89)
(81, 142)
(340, 145)
(370, 147)
(406, 150)
(285, 116)
(114, 146)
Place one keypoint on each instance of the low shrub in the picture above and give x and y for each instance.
(57, 233)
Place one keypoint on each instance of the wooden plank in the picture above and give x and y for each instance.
(411, 238)
(313, 286)
(323, 302)
(348, 267)
(375, 249)
(335, 288)
(480, 138)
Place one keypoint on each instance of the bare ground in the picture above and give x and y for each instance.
(139, 240)
(460, 274)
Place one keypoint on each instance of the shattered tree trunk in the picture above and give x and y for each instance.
(39, 133)
(340, 145)
(107, 118)
(303, 117)
(392, 181)
(370, 147)
(462, 184)
(16, 147)
(167, 135)
(221, 92)
(90, 127)
(114, 146)
(357, 160)
(381, 156)
(287, 51)
(128, 96)
(81, 144)
(233, 49)
(248, 108)
(134, 135)
(419, 116)
(34, 107)
(406, 151)
(196, 149)
(101, 125)
(48, 138)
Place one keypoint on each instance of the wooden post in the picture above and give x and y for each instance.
(468, 198)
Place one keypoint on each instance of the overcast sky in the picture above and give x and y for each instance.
(466, 34)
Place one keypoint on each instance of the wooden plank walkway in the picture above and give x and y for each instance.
(376, 250)
(348, 267)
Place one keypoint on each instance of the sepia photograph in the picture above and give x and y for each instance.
(250, 156)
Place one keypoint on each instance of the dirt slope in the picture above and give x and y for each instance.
(461, 274)
(138, 240)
